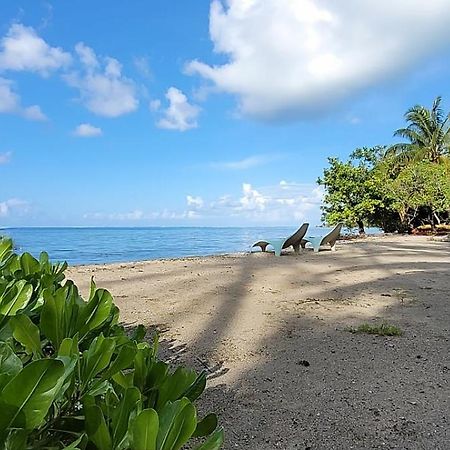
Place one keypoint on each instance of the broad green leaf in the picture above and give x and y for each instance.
(123, 360)
(69, 347)
(122, 413)
(29, 264)
(96, 358)
(206, 426)
(6, 247)
(214, 441)
(26, 399)
(175, 385)
(53, 317)
(196, 388)
(15, 298)
(27, 333)
(96, 427)
(177, 422)
(10, 364)
(96, 312)
(145, 430)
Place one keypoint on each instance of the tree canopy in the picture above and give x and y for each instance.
(397, 188)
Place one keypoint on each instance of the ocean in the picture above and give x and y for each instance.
(106, 245)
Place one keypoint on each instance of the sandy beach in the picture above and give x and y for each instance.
(285, 372)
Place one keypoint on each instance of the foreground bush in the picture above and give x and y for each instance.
(71, 378)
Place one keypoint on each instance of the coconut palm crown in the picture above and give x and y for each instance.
(428, 133)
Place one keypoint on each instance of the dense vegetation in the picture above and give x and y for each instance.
(396, 188)
(71, 378)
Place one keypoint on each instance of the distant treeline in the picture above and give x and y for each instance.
(399, 187)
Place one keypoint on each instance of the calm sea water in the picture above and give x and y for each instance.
(104, 245)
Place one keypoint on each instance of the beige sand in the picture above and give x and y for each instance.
(255, 321)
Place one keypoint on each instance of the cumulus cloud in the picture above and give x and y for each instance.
(275, 204)
(294, 58)
(180, 114)
(196, 202)
(245, 163)
(10, 103)
(12, 206)
(142, 66)
(87, 130)
(5, 158)
(104, 90)
(23, 50)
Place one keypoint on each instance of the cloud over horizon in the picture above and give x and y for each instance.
(297, 58)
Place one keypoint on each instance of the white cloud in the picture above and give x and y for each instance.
(10, 103)
(154, 105)
(87, 130)
(5, 158)
(135, 215)
(295, 58)
(103, 88)
(23, 50)
(142, 66)
(283, 203)
(245, 163)
(13, 205)
(196, 202)
(180, 114)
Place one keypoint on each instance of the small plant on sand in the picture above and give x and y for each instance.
(383, 329)
(71, 377)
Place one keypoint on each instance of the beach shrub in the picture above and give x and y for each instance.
(72, 378)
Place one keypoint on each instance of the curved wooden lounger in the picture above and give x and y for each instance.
(281, 243)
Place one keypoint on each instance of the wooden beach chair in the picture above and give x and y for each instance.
(330, 238)
(279, 244)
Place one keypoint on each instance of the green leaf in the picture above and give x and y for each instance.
(74, 445)
(177, 422)
(123, 360)
(96, 358)
(26, 399)
(53, 320)
(15, 298)
(145, 430)
(206, 426)
(138, 333)
(16, 440)
(122, 413)
(96, 312)
(214, 442)
(27, 333)
(175, 385)
(10, 364)
(196, 388)
(29, 264)
(96, 427)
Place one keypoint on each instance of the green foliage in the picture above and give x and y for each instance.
(71, 378)
(399, 188)
(353, 194)
(383, 329)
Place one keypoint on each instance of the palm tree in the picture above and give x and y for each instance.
(428, 133)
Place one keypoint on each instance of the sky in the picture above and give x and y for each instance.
(202, 113)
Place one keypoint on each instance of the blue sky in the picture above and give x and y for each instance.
(201, 113)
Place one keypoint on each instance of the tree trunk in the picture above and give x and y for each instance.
(362, 231)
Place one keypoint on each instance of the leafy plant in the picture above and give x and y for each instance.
(71, 378)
